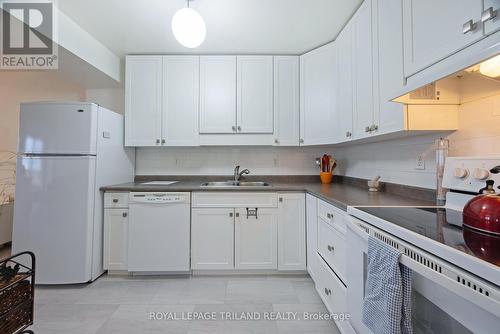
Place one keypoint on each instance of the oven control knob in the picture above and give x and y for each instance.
(461, 173)
(480, 174)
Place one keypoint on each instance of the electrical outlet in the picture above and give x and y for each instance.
(420, 162)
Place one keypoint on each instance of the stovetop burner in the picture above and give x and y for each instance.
(442, 225)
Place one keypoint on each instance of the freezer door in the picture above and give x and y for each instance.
(53, 216)
(58, 128)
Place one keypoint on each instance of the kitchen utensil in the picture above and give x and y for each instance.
(483, 212)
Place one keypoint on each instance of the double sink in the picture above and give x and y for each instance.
(236, 184)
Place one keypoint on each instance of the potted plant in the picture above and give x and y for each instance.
(7, 185)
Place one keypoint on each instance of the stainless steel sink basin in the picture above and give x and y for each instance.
(226, 184)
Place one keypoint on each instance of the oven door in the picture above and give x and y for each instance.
(440, 304)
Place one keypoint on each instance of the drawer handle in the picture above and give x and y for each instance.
(124, 215)
(328, 292)
(329, 215)
(331, 248)
(115, 200)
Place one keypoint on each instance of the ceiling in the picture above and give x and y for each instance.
(233, 26)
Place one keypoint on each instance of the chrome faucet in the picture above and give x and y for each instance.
(238, 174)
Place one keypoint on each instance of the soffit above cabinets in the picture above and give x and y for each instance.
(233, 26)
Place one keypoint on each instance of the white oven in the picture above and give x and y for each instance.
(446, 298)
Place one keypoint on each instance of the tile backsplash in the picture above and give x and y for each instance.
(394, 161)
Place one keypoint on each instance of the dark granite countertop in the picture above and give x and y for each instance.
(343, 192)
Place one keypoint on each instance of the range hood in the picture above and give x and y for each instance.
(472, 83)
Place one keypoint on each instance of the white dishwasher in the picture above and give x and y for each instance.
(159, 232)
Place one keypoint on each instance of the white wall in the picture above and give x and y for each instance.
(113, 99)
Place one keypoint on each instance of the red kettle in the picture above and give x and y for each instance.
(483, 211)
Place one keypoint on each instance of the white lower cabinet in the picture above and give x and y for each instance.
(312, 234)
(291, 231)
(212, 238)
(255, 238)
(248, 231)
(331, 246)
(115, 231)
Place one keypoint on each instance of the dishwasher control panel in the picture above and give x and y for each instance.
(159, 197)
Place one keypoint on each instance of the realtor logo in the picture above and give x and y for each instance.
(27, 32)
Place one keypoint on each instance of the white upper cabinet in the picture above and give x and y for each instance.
(363, 71)
(317, 95)
(345, 84)
(388, 64)
(434, 30)
(491, 21)
(217, 94)
(180, 100)
(286, 101)
(143, 94)
(255, 94)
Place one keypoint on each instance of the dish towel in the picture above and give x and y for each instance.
(387, 302)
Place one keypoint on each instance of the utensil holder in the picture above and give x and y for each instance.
(326, 177)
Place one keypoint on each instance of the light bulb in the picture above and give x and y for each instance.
(490, 67)
(189, 27)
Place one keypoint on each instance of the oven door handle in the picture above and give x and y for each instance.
(487, 303)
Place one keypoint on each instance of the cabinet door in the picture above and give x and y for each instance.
(493, 24)
(181, 84)
(143, 107)
(292, 232)
(388, 65)
(255, 94)
(212, 238)
(286, 101)
(255, 244)
(217, 94)
(363, 71)
(115, 239)
(433, 30)
(317, 95)
(345, 83)
(312, 234)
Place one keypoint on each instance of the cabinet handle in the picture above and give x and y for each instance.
(469, 26)
(280, 199)
(230, 214)
(367, 129)
(276, 141)
(163, 141)
(239, 128)
(374, 127)
(301, 141)
(237, 214)
(331, 248)
(124, 215)
(488, 14)
(233, 128)
(115, 200)
(328, 292)
(157, 141)
(348, 134)
(329, 215)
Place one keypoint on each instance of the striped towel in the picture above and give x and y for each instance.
(387, 303)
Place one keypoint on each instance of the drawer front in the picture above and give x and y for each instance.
(235, 200)
(331, 290)
(332, 215)
(116, 200)
(331, 246)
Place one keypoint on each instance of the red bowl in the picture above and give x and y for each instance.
(483, 213)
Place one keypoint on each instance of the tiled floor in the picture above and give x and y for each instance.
(123, 305)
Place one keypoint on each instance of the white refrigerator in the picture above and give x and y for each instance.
(67, 151)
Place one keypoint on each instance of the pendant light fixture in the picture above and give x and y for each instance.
(189, 27)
